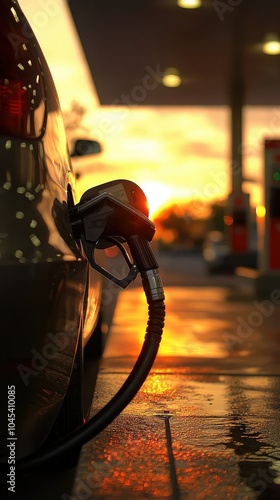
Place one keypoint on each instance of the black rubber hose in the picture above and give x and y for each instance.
(115, 406)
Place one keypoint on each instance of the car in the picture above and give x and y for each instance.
(53, 321)
(220, 259)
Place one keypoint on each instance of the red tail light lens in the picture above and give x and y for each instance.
(22, 93)
(13, 107)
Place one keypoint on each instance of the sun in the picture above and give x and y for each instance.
(158, 196)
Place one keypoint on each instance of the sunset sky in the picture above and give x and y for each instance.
(173, 153)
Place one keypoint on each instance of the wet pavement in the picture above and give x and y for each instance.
(205, 424)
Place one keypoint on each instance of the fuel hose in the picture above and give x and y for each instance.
(153, 288)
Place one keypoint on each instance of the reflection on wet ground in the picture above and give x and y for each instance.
(207, 324)
(206, 422)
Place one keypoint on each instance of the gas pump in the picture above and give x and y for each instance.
(238, 222)
(272, 203)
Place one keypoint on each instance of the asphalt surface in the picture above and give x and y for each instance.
(205, 424)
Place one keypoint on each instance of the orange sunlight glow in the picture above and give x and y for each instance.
(158, 196)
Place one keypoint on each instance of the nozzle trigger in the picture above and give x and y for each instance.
(90, 249)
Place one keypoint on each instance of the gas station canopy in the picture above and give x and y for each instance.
(214, 48)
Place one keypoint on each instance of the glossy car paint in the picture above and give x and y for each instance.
(43, 273)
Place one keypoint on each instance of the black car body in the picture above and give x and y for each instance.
(49, 298)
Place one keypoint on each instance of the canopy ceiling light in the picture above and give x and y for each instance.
(271, 44)
(171, 78)
(189, 4)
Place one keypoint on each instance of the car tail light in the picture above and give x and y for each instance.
(22, 93)
(13, 107)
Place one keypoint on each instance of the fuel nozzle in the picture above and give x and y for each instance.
(112, 214)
